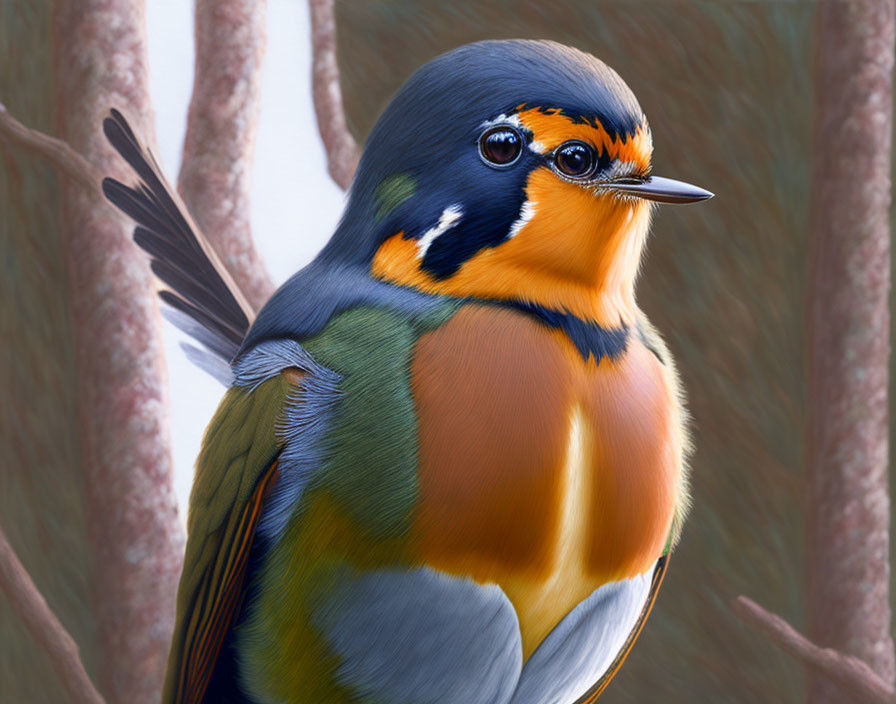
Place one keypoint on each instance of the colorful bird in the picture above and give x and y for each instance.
(450, 465)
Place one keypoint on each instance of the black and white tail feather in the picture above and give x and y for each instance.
(201, 297)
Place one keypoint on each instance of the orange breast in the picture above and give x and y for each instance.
(539, 472)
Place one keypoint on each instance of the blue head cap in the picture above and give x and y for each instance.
(422, 163)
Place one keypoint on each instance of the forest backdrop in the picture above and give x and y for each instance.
(729, 89)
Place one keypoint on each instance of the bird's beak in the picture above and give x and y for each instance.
(662, 190)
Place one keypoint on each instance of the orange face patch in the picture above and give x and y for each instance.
(578, 253)
(550, 128)
(573, 248)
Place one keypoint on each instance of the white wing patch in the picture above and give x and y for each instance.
(449, 218)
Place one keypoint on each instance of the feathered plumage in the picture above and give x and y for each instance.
(450, 466)
(199, 285)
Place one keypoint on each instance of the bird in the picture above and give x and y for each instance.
(450, 465)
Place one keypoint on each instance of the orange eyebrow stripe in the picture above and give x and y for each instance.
(551, 128)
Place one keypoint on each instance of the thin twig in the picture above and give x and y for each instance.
(849, 672)
(24, 598)
(51, 148)
(342, 150)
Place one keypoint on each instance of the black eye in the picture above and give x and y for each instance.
(500, 146)
(574, 159)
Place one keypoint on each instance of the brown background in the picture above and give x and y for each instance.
(727, 87)
(41, 505)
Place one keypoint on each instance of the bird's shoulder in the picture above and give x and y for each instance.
(322, 299)
(237, 465)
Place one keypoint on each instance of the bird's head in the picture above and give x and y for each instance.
(510, 170)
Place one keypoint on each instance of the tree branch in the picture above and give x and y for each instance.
(119, 388)
(70, 162)
(342, 150)
(220, 142)
(849, 672)
(847, 338)
(24, 598)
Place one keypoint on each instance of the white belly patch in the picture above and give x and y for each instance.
(584, 644)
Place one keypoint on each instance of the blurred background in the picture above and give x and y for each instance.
(727, 89)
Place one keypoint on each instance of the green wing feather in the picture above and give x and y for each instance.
(236, 466)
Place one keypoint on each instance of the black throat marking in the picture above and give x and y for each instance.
(590, 339)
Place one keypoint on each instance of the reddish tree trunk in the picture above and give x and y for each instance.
(121, 380)
(215, 175)
(848, 333)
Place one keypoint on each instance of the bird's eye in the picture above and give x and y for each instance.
(500, 146)
(574, 159)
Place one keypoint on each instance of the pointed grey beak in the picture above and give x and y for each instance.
(662, 190)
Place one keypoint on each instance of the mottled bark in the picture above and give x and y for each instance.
(342, 150)
(44, 627)
(121, 383)
(218, 150)
(848, 338)
(855, 678)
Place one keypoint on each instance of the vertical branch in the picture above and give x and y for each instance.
(848, 332)
(342, 151)
(218, 150)
(135, 537)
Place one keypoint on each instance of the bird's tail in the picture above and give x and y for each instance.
(201, 297)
